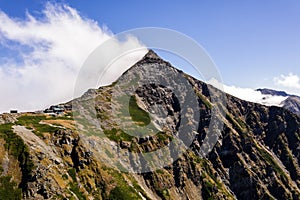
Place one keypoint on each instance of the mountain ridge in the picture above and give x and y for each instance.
(255, 157)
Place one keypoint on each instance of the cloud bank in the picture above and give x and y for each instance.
(41, 56)
(252, 95)
(249, 94)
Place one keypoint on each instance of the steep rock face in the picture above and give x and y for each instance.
(255, 157)
(262, 151)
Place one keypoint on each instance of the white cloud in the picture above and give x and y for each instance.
(252, 95)
(249, 94)
(290, 81)
(48, 53)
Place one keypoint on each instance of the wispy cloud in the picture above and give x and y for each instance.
(48, 52)
(290, 81)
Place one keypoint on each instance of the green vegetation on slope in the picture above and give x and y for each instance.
(123, 191)
(33, 122)
(74, 185)
(137, 114)
(267, 157)
(117, 135)
(204, 100)
(237, 123)
(9, 189)
(15, 147)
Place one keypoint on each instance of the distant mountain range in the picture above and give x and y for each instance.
(273, 92)
(291, 103)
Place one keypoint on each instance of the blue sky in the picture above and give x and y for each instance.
(253, 43)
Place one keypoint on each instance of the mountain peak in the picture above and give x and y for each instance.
(151, 54)
(149, 58)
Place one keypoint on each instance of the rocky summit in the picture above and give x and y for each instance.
(162, 135)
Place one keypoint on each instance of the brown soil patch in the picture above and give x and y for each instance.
(70, 124)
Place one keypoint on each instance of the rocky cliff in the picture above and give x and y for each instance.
(101, 150)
